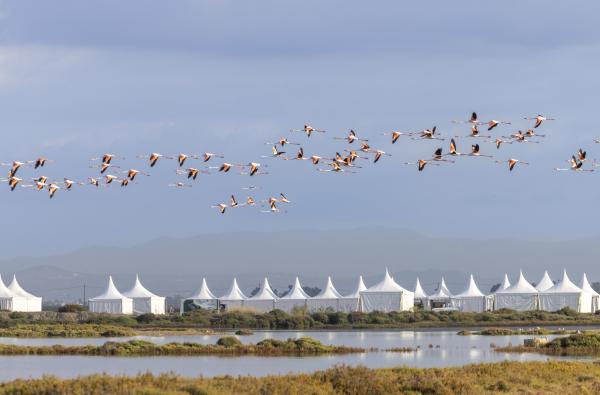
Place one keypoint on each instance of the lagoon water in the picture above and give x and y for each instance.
(436, 349)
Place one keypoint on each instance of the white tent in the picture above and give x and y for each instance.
(33, 303)
(421, 298)
(351, 302)
(111, 301)
(295, 298)
(471, 299)
(441, 298)
(234, 298)
(145, 301)
(264, 300)
(545, 283)
(328, 298)
(386, 296)
(565, 294)
(521, 296)
(586, 287)
(9, 301)
(202, 299)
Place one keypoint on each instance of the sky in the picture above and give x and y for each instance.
(78, 79)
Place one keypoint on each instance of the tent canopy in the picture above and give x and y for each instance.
(139, 291)
(505, 283)
(586, 287)
(111, 292)
(471, 291)
(204, 292)
(522, 286)
(386, 285)
(329, 292)
(4, 291)
(545, 283)
(235, 293)
(565, 285)
(265, 292)
(296, 292)
(419, 292)
(359, 288)
(442, 292)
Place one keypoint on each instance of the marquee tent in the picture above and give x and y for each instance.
(264, 300)
(329, 298)
(421, 298)
(521, 296)
(145, 301)
(234, 298)
(202, 299)
(111, 301)
(545, 283)
(565, 294)
(586, 287)
(386, 296)
(295, 298)
(489, 299)
(33, 303)
(9, 301)
(471, 299)
(352, 302)
(441, 298)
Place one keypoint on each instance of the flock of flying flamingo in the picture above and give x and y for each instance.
(108, 163)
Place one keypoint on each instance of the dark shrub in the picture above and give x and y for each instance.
(229, 341)
(71, 308)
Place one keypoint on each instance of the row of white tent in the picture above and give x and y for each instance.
(388, 295)
(138, 300)
(15, 298)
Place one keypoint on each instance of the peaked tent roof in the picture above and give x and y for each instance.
(419, 292)
(329, 292)
(565, 285)
(139, 291)
(442, 291)
(296, 292)
(265, 292)
(471, 291)
(235, 293)
(204, 292)
(505, 283)
(522, 286)
(586, 287)
(16, 289)
(4, 291)
(110, 293)
(359, 288)
(545, 283)
(386, 285)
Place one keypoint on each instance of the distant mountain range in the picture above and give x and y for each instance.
(171, 266)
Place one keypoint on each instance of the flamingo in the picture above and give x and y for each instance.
(109, 178)
(308, 130)
(350, 138)
(132, 173)
(299, 155)
(154, 157)
(493, 123)
(396, 135)
(208, 155)
(499, 142)
(519, 137)
(428, 134)
(40, 162)
(538, 120)
(473, 120)
(104, 166)
(453, 150)
(532, 133)
(250, 201)
(181, 158)
(475, 132)
(221, 206)
(512, 163)
(379, 154)
(106, 158)
(192, 172)
(275, 153)
(13, 182)
(124, 182)
(52, 188)
(438, 157)
(14, 167)
(94, 182)
(475, 152)
(283, 141)
(575, 166)
(69, 183)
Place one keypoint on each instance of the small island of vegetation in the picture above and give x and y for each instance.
(580, 344)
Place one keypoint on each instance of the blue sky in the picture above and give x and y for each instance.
(78, 79)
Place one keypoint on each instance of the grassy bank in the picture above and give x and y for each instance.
(505, 378)
(581, 344)
(83, 324)
(224, 346)
(517, 331)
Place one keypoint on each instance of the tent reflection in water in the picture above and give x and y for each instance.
(111, 301)
(565, 294)
(264, 299)
(202, 299)
(145, 301)
(9, 301)
(32, 303)
(522, 296)
(295, 298)
(586, 287)
(386, 296)
(471, 299)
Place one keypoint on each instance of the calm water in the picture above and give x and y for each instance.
(448, 349)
